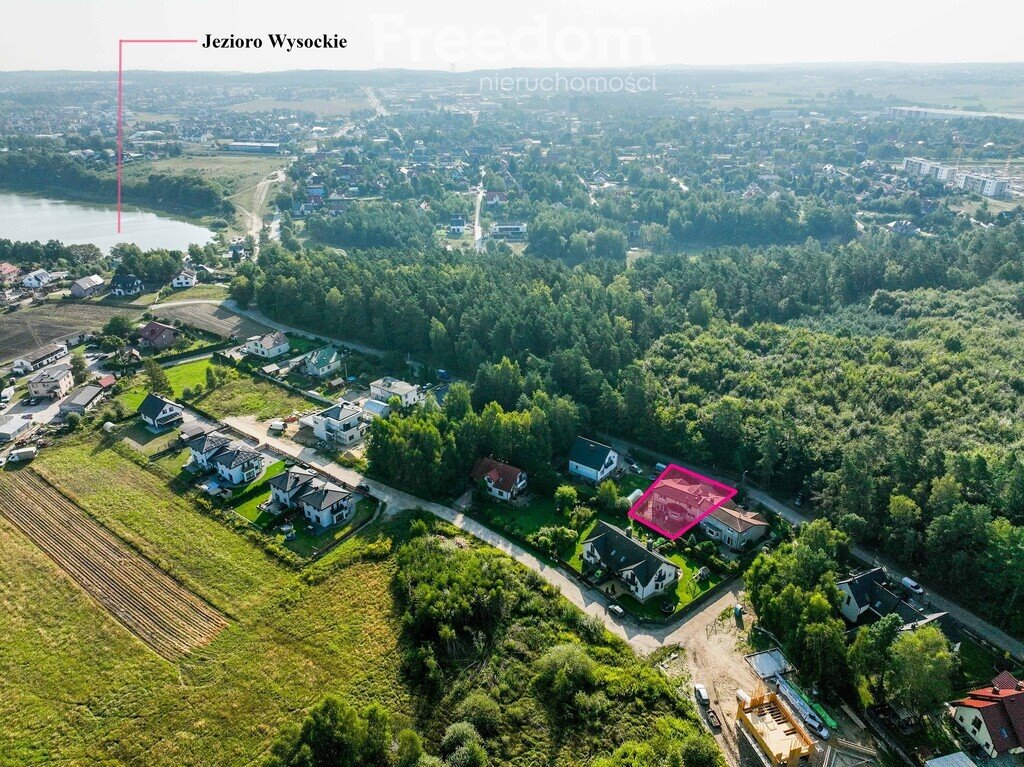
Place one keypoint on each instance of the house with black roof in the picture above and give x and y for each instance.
(591, 461)
(234, 462)
(642, 570)
(159, 412)
(321, 501)
(869, 596)
(125, 285)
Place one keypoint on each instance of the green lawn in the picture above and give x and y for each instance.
(308, 541)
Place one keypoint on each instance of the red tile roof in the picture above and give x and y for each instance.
(501, 475)
(1001, 707)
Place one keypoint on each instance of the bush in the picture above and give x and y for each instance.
(480, 710)
(458, 735)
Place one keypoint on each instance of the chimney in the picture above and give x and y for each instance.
(995, 690)
(629, 532)
(650, 544)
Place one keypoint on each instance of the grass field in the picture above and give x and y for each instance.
(240, 395)
(27, 329)
(80, 690)
(211, 318)
(201, 292)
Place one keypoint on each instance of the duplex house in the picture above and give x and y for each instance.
(734, 527)
(642, 570)
(268, 346)
(36, 279)
(321, 501)
(338, 423)
(186, 278)
(156, 335)
(383, 389)
(159, 412)
(591, 460)
(87, 286)
(82, 399)
(322, 362)
(994, 716)
(869, 595)
(40, 358)
(234, 462)
(125, 285)
(54, 382)
(503, 481)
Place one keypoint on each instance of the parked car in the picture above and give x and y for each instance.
(364, 488)
(616, 610)
(701, 693)
(716, 723)
(912, 586)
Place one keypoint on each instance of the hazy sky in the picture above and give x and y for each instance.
(83, 34)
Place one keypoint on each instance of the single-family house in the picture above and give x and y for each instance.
(322, 362)
(13, 426)
(186, 278)
(53, 382)
(36, 279)
(321, 501)
(994, 716)
(591, 460)
(503, 481)
(457, 225)
(268, 346)
(642, 570)
(734, 527)
(82, 399)
(204, 445)
(125, 285)
(159, 411)
(87, 286)
(383, 389)
(374, 408)
(40, 358)
(9, 273)
(157, 335)
(234, 462)
(869, 595)
(340, 423)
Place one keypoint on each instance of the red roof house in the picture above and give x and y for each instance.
(994, 716)
(503, 481)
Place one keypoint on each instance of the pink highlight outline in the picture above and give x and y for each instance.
(120, 108)
(730, 493)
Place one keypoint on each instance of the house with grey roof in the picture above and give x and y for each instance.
(637, 566)
(82, 399)
(320, 500)
(87, 286)
(383, 389)
(869, 595)
(340, 423)
(591, 461)
(234, 462)
(159, 412)
(268, 346)
(40, 358)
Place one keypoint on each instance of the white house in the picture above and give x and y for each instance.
(36, 279)
(40, 358)
(339, 423)
(322, 362)
(13, 426)
(503, 481)
(321, 501)
(994, 716)
(87, 286)
(374, 408)
(125, 285)
(591, 460)
(159, 412)
(268, 346)
(53, 382)
(234, 462)
(383, 389)
(734, 527)
(642, 570)
(186, 278)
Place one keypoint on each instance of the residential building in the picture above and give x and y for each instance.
(268, 346)
(956, 759)
(159, 412)
(457, 225)
(234, 462)
(14, 426)
(994, 716)
(869, 595)
(53, 382)
(87, 286)
(322, 362)
(157, 335)
(9, 273)
(735, 527)
(36, 279)
(503, 481)
(125, 285)
(204, 445)
(591, 460)
(341, 423)
(642, 570)
(383, 389)
(321, 501)
(374, 408)
(40, 358)
(82, 399)
(254, 147)
(983, 185)
(186, 278)
(514, 231)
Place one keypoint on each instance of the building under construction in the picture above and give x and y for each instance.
(779, 737)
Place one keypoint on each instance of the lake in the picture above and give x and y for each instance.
(35, 218)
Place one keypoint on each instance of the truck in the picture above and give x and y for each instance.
(22, 454)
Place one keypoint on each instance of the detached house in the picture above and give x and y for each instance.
(321, 501)
(322, 362)
(339, 423)
(643, 571)
(503, 481)
(9, 273)
(268, 346)
(40, 358)
(156, 335)
(36, 279)
(869, 595)
(125, 285)
(53, 382)
(159, 412)
(591, 460)
(186, 278)
(734, 527)
(994, 716)
(234, 462)
(87, 286)
(383, 389)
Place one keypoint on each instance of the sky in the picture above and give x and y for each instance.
(463, 35)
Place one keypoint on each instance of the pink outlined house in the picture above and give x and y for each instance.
(678, 500)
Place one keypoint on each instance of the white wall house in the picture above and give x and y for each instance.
(53, 382)
(322, 362)
(735, 527)
(234, 462)
(639, 568)
(340, 423)
(502, 480)
(321, 501)
(36, 279)
(591, 460)
(268, 346)
(40, 358)
(159, 412)
(383, 389)
(186, 278)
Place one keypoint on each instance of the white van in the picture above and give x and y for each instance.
(912, 586)
(23, 454)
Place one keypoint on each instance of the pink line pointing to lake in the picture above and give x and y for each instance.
(678, 500)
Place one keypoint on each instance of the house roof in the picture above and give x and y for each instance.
(588, 453)
(296, 476)
(1001, 707)
(125, 281)
(342, 411)
(153, 330)
(207, 441)
(236, 454)
(43, 352)
(56, 373)
(321, 358)
(501, 475)
(862, 585)
(738, 519)
(625, 555)
(323, 495)
(393, 385)
(270, 340)
(83, 396)
(92, 281)
(153, 405)
(106, 381)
